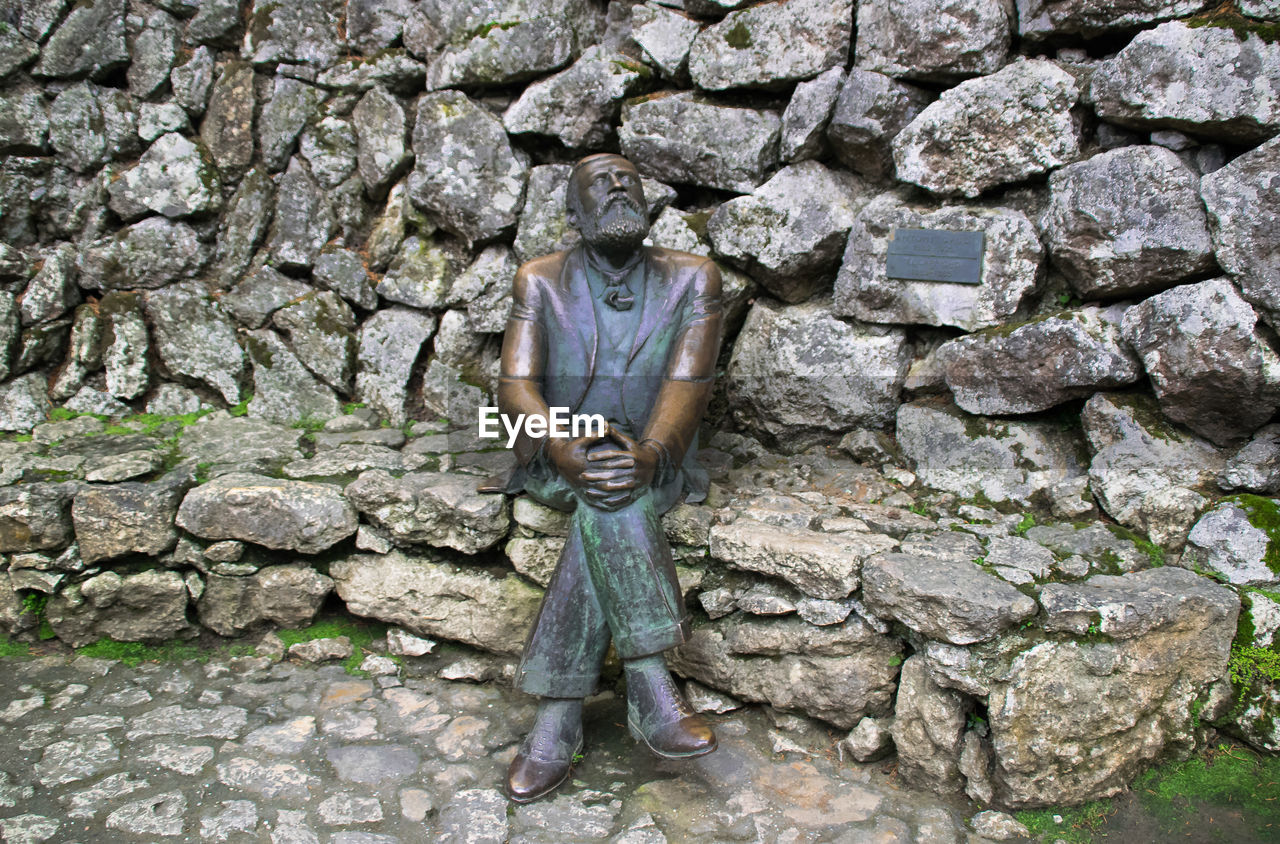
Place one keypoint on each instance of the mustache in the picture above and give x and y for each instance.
(623, 200)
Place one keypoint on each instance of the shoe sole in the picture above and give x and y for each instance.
(639, 736)
(552, 788)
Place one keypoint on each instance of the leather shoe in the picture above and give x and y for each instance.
(659, 716)
(545, 757)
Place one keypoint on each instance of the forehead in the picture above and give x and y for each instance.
(604, 164)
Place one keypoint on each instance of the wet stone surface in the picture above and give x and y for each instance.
(247, 750)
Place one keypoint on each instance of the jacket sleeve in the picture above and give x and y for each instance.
(524, 357)
(690, 374)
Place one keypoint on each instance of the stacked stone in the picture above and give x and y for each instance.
(281, 208)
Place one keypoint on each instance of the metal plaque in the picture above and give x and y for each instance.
(935, 255)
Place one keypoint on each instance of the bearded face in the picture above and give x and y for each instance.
(606, 204)
(616, 225)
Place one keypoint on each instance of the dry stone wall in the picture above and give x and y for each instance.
(254, 257)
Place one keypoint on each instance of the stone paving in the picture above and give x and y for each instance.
(254, 749)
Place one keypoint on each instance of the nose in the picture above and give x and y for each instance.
(615, 182)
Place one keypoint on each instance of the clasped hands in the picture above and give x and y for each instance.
(606, 478)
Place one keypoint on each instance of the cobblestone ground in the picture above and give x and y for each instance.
(249, 750)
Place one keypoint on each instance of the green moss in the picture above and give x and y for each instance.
(1228, 16)
(1027, 523)
(1264, 514)
(738, 36)
(360, 632)
(134, 654)
(1146, 412)
(22, 438)
(1153, 551)
(1079, 824)
(633, 67)
(483, 30)
(1228, 776)
(14, 650)
(241, 408)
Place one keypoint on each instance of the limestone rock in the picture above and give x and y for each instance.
(329, 146)
(52, 290)
(868, 741)
(304, 220)
(344, 272)
(945, 600)
(279, 514)
(578, 105)
(1027, 367)
(294, 32)
(289, 596)
(244, 226)
(990, 131)
(928, 724)
(936, 40)
(1131, 605)
(381, 132)
(225, 441)
(500, 41)
(216, 22)
(10, 328)
(148, 255)
(1062, 695)
(1203, 80)
(821, 565)
(24, 402)
(24, 121)
(36, 517)
(434, 508)
(772, 44)
(191, 80)
(486, 287)
(430, 597)
(253, 301)
(389, 344)
(1138, 456)
(838, 674)
(1234, 540)
(665, 35)
(16, 51)
(321, 332)
(373, 25)
(174, 177)
(1003, 461)
(1042, 19)
(1256, 466)
(293, 103)
(799, 374)
(89, 41)
(466, 173)
(227, 129)
(807, 114)
(156, 119)
(544, 222)
(285, 391)
(120, 519)
(195, 338)
(1127, 221)
(392, 69)
(1211, 368)
(145, 607)
(1242, 199)
(790, 232)
(684, 139)
(1011, 267)
(423, 272)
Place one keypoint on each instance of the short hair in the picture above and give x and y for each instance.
(571, 200)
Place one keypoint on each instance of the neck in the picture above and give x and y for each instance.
(612, 260)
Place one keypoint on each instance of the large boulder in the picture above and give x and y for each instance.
(36, 517)
(90, 125)
(1243, 199)
(431, 597)
(664, 35)
(771, 44)
(289, 596)
(129, 518)
(1213, 370)
(432, 508)
(278, 514)
(295, 32)
(496, 42)
(90, 41)
(1004, 461)
(927, 729)
(1032, 366)
(175, 177)
(284, 390)
(1010, 274)
(388, 347)
(304, 219)
(1203, 80)
(466, 173)
(1006, 127)
(807, 115)
(838, 673)
(195, 338)
(799, 374)
(227, 128)
(821, 565)
(1129, 699)
(150, 606)
(871, 110)
(790, 232)
(382, 134)
(578, 105)
(228, 443)
(1239, 541)
(943, 599)
(1127, 221)
(934, 40)
(685, 139)
(1147, 473)
(149, 254)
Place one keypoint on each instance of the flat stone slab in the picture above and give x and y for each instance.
(1134, 604)
(279, 514)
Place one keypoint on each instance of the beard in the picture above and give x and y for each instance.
(619, 224)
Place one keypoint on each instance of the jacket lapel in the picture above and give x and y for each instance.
(653, 305)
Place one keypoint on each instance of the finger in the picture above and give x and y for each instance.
(615, 485)
(623, 461)
(622, 440)
(597, 456)
(594, 477)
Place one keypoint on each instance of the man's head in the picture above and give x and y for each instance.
(606, 202)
